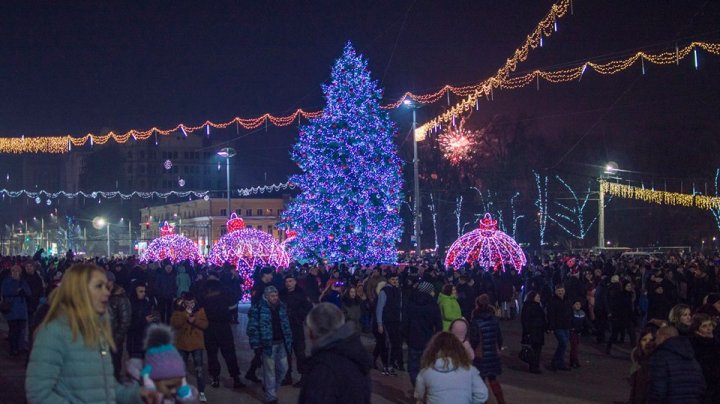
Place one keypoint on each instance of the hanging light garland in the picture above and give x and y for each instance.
(485, 89)
(265, 188)
(660, 197)
(63, 144)
(100, 194)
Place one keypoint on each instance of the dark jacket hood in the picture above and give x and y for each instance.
(345, 341)
(678, 345)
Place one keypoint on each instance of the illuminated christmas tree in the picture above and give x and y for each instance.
(351, 183)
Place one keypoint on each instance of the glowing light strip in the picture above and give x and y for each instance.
(265, 188)
(100, 194)
(485, 89)
(660, 197)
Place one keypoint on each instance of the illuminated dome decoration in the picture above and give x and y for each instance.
(487, 246)
(458, 144)
(247, 248)
(171, 246)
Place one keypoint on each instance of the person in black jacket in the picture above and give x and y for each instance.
(389, 314)
(533, 328)
(621, 301)
(423, 320)
(298, 307)
(707, 353)
(675, 375)
(219, 307)
(338, 370)
(142, 315)
(560, 316)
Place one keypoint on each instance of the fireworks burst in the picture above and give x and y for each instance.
(458, 144)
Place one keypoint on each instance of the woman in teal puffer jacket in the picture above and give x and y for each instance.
(70, 360)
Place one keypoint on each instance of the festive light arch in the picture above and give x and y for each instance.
(488, 247)
(171, 246)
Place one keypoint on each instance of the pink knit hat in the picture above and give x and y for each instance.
(162, 360)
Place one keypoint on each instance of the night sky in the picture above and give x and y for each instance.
(78, 67)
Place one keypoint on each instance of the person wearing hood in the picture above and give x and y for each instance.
(449, 306)
(338, 370)
(270, 336)
(675, 375)
(447, 374)
(423, 320)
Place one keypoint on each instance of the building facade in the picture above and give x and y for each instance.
(204, 221)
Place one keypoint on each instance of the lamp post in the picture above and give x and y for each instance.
(611, 168)
(416, 179)
(99, 223)
(227, 153)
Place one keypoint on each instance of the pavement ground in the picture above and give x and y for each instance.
(601, 379)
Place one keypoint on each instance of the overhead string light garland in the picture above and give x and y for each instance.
(64, 143)
(660, 197)
(485, 89)
(101, 194)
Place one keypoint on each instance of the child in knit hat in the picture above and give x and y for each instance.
(163, 370)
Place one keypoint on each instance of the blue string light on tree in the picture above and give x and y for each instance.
(171, 246)
(246, 249)
(487, 246)
(351, 184)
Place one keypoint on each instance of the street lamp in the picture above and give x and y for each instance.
(227, 153)
(416, 181)
(610, 168)
(99, 223)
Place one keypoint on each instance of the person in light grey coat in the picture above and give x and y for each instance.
(447, 374)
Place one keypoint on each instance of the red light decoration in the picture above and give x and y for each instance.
(166, 229)
(487, 246)
(458, 144)
(235, 223)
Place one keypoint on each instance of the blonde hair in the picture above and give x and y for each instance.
(676, 312)
(72, 301)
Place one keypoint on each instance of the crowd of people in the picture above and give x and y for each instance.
(111, 312)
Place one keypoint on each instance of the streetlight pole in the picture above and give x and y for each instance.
(416, 179)
(227, 153)
(107, 228)
(601, 214)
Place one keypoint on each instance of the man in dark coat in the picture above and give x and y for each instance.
(675, 375)
(298, 307)
(560, 314)
(37, 287)
(339, 369)
(465, 296)
(165, 288)
(389, 314)
(423, 320)
(219, 307)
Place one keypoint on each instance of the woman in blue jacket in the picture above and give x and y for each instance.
(16, 291)
(70, 360)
